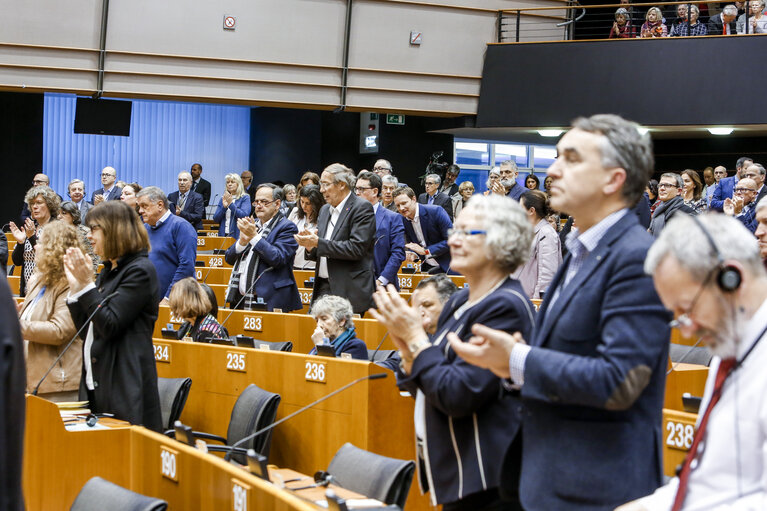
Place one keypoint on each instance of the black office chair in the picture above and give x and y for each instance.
(173, 394)
(274, 346)
(256, 408)
(380, 355)
(378, 477)
(689, 355)
(99, 494)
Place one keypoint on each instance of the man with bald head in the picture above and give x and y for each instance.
(108, 190)
(247, 184)
(743, 204)
(186, 203)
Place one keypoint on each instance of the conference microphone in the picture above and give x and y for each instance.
(687, 353)
(213, 202)
(271, 426)
(249, 291)
(87, 322)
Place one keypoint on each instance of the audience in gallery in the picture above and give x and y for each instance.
(757, 21)
(622, 27)
(196, 304)
(692, 191)
(233, 205)
(46, 325)
(545, 251)
(684, 29)
(335, 328)
(654, 26)
(724, 22)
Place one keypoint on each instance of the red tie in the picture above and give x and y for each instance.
(725, 366)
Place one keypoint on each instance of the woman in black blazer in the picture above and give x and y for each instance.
(119, 374)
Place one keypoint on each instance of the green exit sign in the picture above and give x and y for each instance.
(395, 119)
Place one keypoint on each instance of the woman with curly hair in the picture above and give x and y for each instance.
(44, 205)
(45, 321)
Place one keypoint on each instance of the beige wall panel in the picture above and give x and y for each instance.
(197, 67)
(453, 41)
(47, 80)
(388, 102)
(413, 82)
(47, 57)
(302, 31)
(74, 23)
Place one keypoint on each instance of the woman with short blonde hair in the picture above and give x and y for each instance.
(234, 204)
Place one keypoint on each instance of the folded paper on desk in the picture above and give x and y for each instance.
(82, 426)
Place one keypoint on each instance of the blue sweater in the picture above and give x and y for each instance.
(173, 251)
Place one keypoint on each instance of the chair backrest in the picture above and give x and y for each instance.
(689, 355)
(375, 476)
(274, 345)
(380, 355)
(256, 408)
(173, 394)
(99, 494)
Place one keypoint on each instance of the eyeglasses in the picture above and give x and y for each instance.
(106, 174)
(430, 183)
(743, 190)
(463, 233)
(381, 168)
(666, 185)
(39, 182)
(263, 202)
(360, 189)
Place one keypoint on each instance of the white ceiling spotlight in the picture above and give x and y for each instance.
(720, 131)
(642, 130)
(550, 133)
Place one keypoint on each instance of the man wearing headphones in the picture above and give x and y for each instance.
(708, 270)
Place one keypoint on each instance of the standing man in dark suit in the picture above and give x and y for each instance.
(426, 231)
(247, 184)
(186, 203)
(449, 186)
(343, 243)
(108, 190)
(199, 184)
(592, 376)
(726, 18)
(726, 186)
(757, 172)
(76, 192)
(434, 197)
(263, 257)
(389, 247)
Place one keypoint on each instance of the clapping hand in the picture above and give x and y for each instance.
(247, 227)
(227, 199)
(402, 321)
(307, 239)
(487, 348)
(78, 269)
(18, 234)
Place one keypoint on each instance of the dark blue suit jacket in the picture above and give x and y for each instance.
(440, 199)
(278, 286)
(724, 190)
(434, 224)
(114, 194)
(389, 250)
(194, 209)
(594, 382)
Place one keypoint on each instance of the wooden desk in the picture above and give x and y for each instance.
(684, 378)
(678, 430)
(57, 463)
(371, 415)
(214, 242)
(15, 282)
(277, 326)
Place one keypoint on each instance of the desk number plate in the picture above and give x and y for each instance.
(162, 352)
(235, 361)
(168, 463)
(679, 434)
(315, 371)
(240, 492)
(252, 323)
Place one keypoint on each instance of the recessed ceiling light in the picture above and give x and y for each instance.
(550, 133)
(720, 131)
(642, 130)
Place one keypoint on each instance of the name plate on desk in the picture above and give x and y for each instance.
(240, 493)
(406, 282)
(168, 463)
(306, 297)
(315, 371)
(162, 352)
(175, 319)
(679, 433)
(252, 323)
(200, 242)
(216, 262)
(235, 361)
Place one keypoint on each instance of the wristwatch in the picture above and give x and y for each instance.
(416, 346)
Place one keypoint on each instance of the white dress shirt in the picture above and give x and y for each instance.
(335, 213)
(88, 345)
(731, 473)
(245, 264)
(419, 233)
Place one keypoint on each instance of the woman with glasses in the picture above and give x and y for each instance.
(119, 372)
(234, 204)
(464, 420)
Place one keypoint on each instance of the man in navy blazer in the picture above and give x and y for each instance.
(186, 203)
(263, 257)
(108, 190)
(425, 230)
(389, 249)
(433, 196)
(592, 376)
(726, 186)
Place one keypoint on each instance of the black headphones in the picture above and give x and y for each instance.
(728, 277)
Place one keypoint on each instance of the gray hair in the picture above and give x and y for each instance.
(51, 198)
(387, 163)
(389, 179)
(154, 194)
(687, 243)
(185, 173)
(623, 146)
(509, 233)
(730, 10)
(761, 204)
(74, 182)
(276, 190)
(336, 306)
(434, 177)
(623, 12)
(342, 174)
(288, 188)
(443, 285)
(509, 163)
(759, 167)
(695, 8)
(676, 177)
(494, 170)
